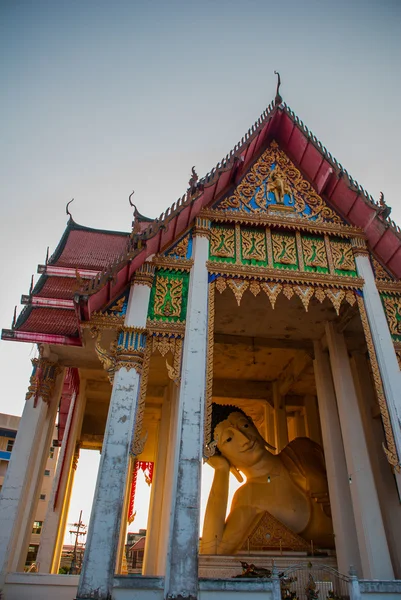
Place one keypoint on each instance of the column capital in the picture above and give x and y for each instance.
(202, 227)
(130, 348)
(359, 246)
(144, 275)
(43, 378)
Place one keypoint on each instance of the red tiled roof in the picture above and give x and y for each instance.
(88, 248)
(54, 321)
(56, 287)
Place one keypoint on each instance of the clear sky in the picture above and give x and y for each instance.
(99, 98)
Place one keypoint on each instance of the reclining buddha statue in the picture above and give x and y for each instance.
(291, 486)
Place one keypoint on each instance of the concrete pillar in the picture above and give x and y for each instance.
(384, 347)
(98, 567)
(182, 562)
(312, 422)
(280, 418)
(337, 476)
(384, 477)
(52, 536)
(375, 557)
(24, 476)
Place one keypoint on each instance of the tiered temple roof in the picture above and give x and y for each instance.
(91, 267)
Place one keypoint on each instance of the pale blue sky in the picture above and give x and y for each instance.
(100, 98)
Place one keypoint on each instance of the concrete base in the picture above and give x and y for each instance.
(40, 586)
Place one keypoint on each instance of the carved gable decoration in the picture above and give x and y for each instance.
(270, 534)
(276, 186)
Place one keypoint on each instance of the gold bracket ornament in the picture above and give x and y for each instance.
(391, 449)
(164, 345)
(138, 442)
(125, 352)
(43, 378)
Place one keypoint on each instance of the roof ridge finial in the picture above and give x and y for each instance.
(278, 99)
(67, 209)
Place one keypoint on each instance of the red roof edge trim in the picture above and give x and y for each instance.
(39, 338)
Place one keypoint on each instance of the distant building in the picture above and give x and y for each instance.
(134, 551)
(8, 432)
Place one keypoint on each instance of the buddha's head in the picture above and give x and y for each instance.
(236, 436)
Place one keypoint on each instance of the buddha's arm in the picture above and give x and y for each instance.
(216, 507)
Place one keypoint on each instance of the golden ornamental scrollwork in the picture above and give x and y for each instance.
(104, 321)
(253, 244)
(168, 296)
(161, 328)
(379, 271)
(275, 174)
(126, 351)
(391, 449)
(139, 440)
(284, 249)
(397, 348)
(314, 252)
(273, 289)
(284, 275)
(343, 256)
(392, 305)
(222, 242)
(209, 449)
(42, 380)
(171, 262)
(180, 249)
(173, 345)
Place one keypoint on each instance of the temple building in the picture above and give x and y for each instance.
(254, 325)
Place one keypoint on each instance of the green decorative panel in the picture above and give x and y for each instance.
(285, 254)
(392, 308)
(253, 247)
(343, 258)
(169, 295)
(314, 254)
(222, 244)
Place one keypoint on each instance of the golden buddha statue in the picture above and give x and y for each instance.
(291, 486)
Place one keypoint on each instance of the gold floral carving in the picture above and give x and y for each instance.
(222, 241)
(320, 295)
(238, 287)
(305, 293)
(118, 306)
(180, 249)
(43, 379)
(314, 253)
(329, 254)
(165, 328)
(288, 291)
(272, 290)
(253, 245)
(139, 441)
(164, 345)
(393, 311)
(238, 259)
(284, 275)
(284, 249)
(336, 296)
(350, 297)
(209, 448)
(298, 240)
(379, 271)
(254, 287)
(269, 533)
(171, 262)
(168, 296)
(390, 450)
(343, 257)
(397, 348)
(221, 284)
(283, 179)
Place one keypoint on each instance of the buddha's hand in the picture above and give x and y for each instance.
(222, 465)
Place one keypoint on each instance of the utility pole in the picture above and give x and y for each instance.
(80, 529)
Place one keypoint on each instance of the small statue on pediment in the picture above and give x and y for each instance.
(278, 186)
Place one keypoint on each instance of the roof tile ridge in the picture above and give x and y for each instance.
(354, 185)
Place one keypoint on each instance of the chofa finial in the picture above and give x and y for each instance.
(384, 210)
(278, 99)
(67, 210)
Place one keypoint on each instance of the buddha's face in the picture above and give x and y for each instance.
(239, 441)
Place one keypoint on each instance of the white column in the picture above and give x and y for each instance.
(384, 347)
(182, 562)
(24, 476)
(52, 536)
(102, 542)
(337, 476)
(280, 418)
(375, 557)
(312, 419)
(387, 491)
